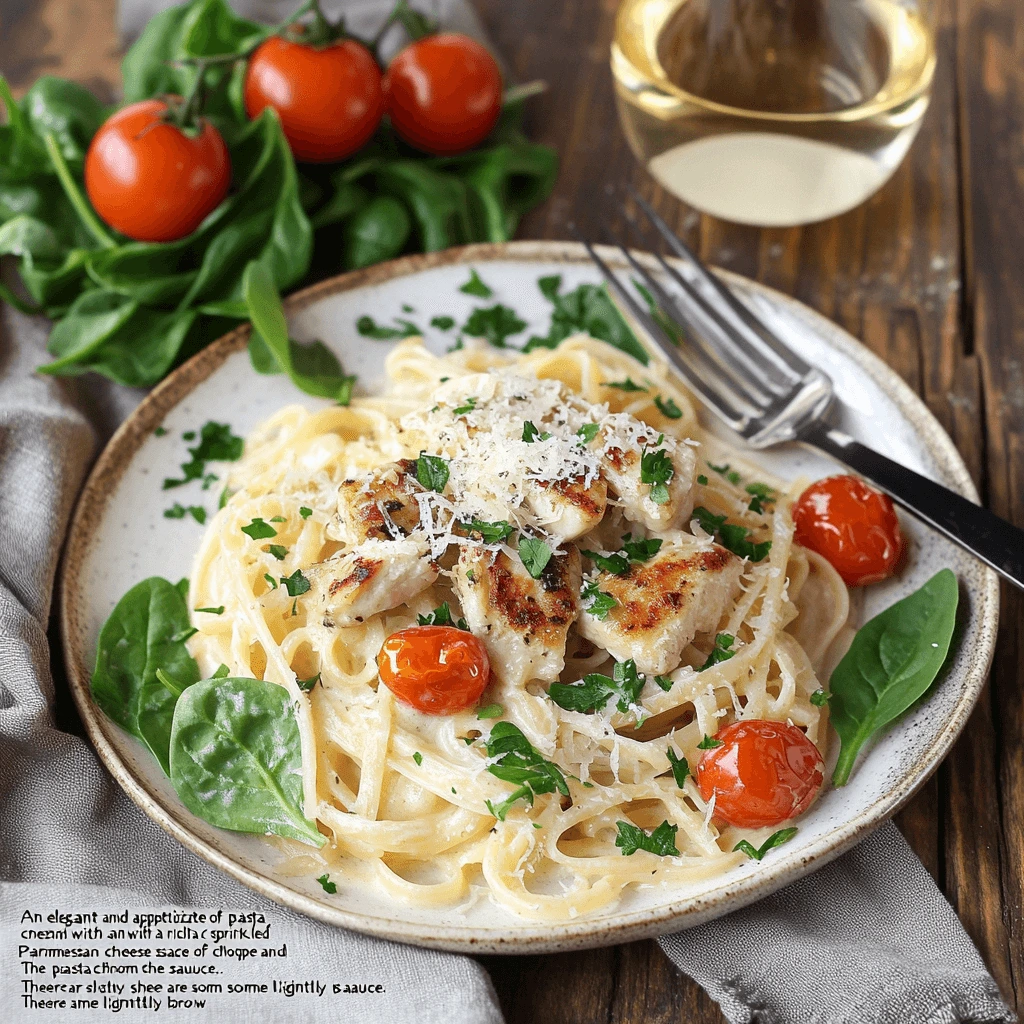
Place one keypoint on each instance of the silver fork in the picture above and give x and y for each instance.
(747, 375)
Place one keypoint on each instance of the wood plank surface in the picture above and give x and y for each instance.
(929, 274)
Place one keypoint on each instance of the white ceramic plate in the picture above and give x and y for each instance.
(120, 536)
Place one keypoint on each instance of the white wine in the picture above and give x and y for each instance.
(773, 112)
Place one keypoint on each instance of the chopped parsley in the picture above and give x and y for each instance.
(159, 431)
(517, 762)
(222, 672)
(775, 839)
(594, 691)
(491, 711)
(305, 685)
(296, 584)
(624, 385)
(279, 551)
(657, 470)
(327, 884)
(219, 610)
(177, 511)
(702, 480)
(600, 603)
(490, 533)
(732, 536)
(189, 435)
(709, 743)
(535, 555)
(588, 432)
(279, 519)
(216, 444)
(667, 407)
(617, 565)
(530, 432)
(474, 286)
(495, 324)
(406, 308)
(432, 472)
(640, 550)
(820, 698)
(305, 512)
(418, 757)
(661, 841)
(680, 767)
(369, 328)
(442, 616)
(665, 682)
(468, 406)
(270, 579)
(259, 530)
(760, 493)
(730, 474)
(722, 651)
(443, 323)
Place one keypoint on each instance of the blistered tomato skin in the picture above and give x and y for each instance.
(439, 670)
(763, 774)
(330, 99)
(150, 180)
(853, 526)
(443, 93)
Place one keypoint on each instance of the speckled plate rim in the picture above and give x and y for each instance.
(534, 938)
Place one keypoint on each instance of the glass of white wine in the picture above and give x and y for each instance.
(773, 112)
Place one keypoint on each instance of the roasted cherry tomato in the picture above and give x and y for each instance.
(443, 93)
(150, 180)
(329, 98)
(764, 773)
(853, 526)
(438, 670)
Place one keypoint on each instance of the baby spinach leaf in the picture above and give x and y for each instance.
(236, 758)
(892, 661)
(377, 232)
(146, 631)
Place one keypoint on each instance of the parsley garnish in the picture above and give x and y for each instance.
(369, 328)
(177, 511)
(219, 610)
(418, 757)
(328, 885)
(731, 535)
(443, 323)
(624, 385)
(530, 432)
(305, 512)
(680, 767)
(640, 550)
(490, 533)
(761, 493)
(474, 286)
(432, 472)
(709, 743)
(495, 324)
(221, 672)
(617, 565)
(535, 555)
(600, 602)
(519, 763)
(594, 691)
(775, 839)
(721, 651)
(278, 551)
(662, 841)
(702, 480)
(820, 698)
(160, 431)
(270, 579)
(588, 432)
(731, 475)
(189, 435)
(657, 470)
(664, 682)
(279, 519)
(491, 711)
(296, 584)
(305, 685)
(442, 616)
(468, 406)
(667, 407)
(259, 530)
(216, 444)
(183, 634)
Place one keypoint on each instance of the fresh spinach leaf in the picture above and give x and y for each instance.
(892, 661)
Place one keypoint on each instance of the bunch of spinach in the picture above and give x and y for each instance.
(132, 310)
(230, 746)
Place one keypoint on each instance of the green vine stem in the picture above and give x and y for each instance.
(85, 212)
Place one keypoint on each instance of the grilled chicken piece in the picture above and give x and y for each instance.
(373, 577)
(567, 509)
(380, 505)
(621, 468)
(523, 622)
(663, 603)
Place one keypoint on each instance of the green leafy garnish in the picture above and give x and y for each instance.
(657, 470)
(535, 555)
(305, 685)
(494, 324)
(731, 536)
(177, 511)
(640, 550)
(305, 512)
(443, 323)
(667, 407)
(519, 763)
(588, 432)
(296, 584)
(596, 601)
(624, 385)
(617, 565)
(491, 711)
(665, 682)
(702, 479)
(474, 286)
(731, 475)
(327, 885)
(432, 472)
(680, 767)
(468, 406)
(530, 432)
(820, 698)
(418, 757)
(490, 533)
(221, 672)
(279, 551)
(259, 530)
(722, 651)
(369, 328)
(775, 839)
(709, 743)
(661, 841)
(216, 444)
(442, 616)
(594, 691)
(270, 580)
(219, 610)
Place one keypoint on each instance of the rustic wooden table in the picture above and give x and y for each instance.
(929, 274)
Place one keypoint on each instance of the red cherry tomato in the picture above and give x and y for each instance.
(149, 180)
(764, 773)
(438, 670)
(443, 93)
(329, 98)
(853, 526)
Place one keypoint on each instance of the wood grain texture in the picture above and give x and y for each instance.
(929, 274)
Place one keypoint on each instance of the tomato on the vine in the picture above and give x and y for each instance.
(149, 179)
(330, 98)
(438, 670)
(853, 526)
(443, 93)
(762, 774)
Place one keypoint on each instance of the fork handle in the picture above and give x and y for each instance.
(979, 531)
